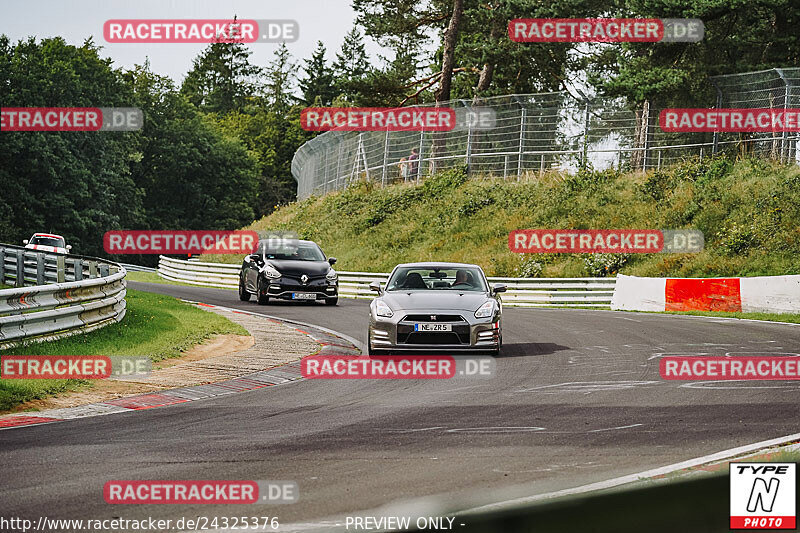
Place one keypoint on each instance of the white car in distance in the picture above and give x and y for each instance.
(47, 242)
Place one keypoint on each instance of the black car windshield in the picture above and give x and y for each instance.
(298, 252)
(47, 241)
(437, 279)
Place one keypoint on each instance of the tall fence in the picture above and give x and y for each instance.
(536, 133)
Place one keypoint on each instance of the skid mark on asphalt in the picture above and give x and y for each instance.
(588, 387)
(614, 429)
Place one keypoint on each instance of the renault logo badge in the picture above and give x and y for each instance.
(433, 317)
(304, 279)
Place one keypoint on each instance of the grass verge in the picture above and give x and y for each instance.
(157, 326)
(747, 209)
(152, 277)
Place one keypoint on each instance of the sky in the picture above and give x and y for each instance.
(76, 20)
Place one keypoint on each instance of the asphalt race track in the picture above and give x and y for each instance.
(577, 399)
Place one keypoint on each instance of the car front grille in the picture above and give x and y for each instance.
(439, 318)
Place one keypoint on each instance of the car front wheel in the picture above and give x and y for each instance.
(331, 301)
(243, 294)
(263, 298)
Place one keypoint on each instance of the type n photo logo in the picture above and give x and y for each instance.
(763, 495)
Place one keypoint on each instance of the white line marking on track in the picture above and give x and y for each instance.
(613, 429)
(630, 478)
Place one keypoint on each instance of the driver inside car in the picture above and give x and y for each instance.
(462, 279)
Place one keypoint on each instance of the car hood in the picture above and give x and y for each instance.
(439, 300)
(297, 268)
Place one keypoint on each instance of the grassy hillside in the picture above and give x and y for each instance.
(749, 211)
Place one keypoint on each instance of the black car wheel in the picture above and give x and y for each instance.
(263, 298)
(243, 294)
(331, 301)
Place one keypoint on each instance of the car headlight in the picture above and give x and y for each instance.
(270, 271)
(381, 309)
(331, 275)
(486, 310)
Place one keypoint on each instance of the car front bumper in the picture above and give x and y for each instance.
(468, 334)
(285, 288)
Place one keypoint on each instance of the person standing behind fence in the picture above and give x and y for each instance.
(413, 163)
(404, 169)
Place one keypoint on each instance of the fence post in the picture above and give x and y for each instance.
(77, 269)
(2, 266)
(585, 151)
(419, 156)
(338, 164)
(385, 156)
(521, 140)
(469, 146)
(715, 145)
(60, 274)
(785, 134)
(92, 269)
(40, 269)
(20, 281)
(505, 167)
(647, 134)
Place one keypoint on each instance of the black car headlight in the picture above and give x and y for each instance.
(270, 271)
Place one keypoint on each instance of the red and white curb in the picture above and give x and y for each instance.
(332, 344)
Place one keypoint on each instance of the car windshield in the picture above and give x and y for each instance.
(295, 252)
(47, 241)
(437, 279)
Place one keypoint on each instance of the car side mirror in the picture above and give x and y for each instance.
(254, 258)
(375, 286)
(332, 260)
(500, 287)
(25, 241)
(69, 247)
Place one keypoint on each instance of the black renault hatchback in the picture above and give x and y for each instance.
(296, 271)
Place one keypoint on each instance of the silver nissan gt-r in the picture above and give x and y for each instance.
(436, 307)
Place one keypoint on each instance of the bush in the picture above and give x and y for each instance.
(602, 265)
(529, 267)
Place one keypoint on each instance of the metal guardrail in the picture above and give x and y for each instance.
(138, 268)
(522, 292)
(56, 295)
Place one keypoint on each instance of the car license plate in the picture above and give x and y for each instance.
(304, 296)
(433, 327)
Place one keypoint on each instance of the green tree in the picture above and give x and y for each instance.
(222, 78)
(77, 184)
(193, 174)
(740, 36)
(318, 85)
(351, 66)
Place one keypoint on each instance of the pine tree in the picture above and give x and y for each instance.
(280, 76)
(222, 78)
(318, 85)
(352, 65)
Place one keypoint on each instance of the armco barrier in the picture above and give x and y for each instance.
(769, 294)
(56, 295)
(522, 292)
